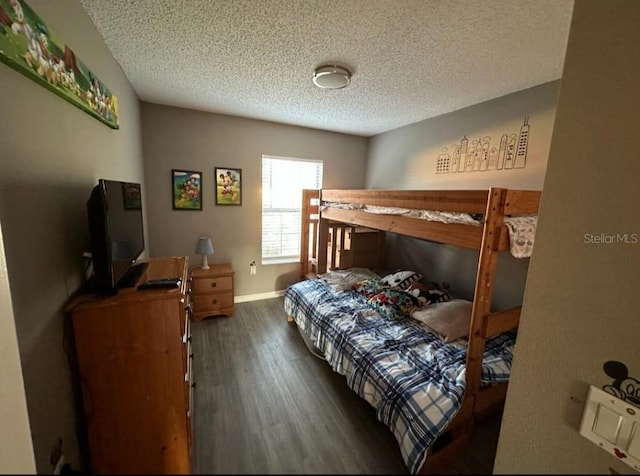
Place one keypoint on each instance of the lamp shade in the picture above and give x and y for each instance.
(204, 248)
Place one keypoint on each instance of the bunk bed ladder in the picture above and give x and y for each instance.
(323, 237)
(459, 430)
(487, 261)
(309, 233)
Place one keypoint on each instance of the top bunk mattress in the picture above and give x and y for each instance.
(413, 379)
(521, 228)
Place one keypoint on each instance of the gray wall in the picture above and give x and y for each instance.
(406, 158)
(51, 155)
(192, 140)
(579, 307)
(16, 449)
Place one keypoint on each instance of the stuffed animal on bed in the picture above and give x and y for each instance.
(410, 281)
(428, 293)
(401, 279)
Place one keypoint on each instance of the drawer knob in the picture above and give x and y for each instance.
(214, 301)
(213, 285)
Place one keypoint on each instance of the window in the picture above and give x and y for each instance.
(282, 182)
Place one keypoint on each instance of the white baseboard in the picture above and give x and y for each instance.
(258, 297)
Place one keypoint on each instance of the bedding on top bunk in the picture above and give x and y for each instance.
(414, 379)
(522, 228)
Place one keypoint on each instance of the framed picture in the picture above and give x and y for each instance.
(31, 48)
(187, 189)
(131, 196)
(228, 186)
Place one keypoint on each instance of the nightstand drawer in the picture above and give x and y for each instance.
(207, 285)
(211, 303)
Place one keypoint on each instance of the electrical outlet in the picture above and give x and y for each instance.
(252, 268)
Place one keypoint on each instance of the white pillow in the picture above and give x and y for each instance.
(344, 279)
(450, 319)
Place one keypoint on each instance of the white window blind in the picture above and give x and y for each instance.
(282, 182)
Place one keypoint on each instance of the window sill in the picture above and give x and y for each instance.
(279, 261)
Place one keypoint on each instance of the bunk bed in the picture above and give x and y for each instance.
(331, 223)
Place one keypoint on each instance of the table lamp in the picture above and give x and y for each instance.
(204, 248)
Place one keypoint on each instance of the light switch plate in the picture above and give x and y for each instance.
(612, 424)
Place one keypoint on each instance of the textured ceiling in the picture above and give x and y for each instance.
(411, 59)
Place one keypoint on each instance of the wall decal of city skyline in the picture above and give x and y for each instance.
(478, 155)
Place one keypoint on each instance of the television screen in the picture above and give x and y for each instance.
(116, 231)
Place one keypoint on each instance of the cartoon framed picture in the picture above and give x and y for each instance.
(228, 186)
(187, 189)
(131, 196)
(29, 46)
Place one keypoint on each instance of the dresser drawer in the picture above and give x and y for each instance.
(207, 285)
(212, 303)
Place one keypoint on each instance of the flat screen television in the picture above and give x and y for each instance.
(116, 232)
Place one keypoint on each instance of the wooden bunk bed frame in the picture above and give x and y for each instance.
(320, 227)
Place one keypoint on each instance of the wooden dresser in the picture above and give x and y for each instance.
(134, 359)
(212, 290)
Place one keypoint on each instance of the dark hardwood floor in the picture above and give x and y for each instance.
(264, 404)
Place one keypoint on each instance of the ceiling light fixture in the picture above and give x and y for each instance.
(331, 77)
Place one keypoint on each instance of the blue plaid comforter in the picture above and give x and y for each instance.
(415, 381)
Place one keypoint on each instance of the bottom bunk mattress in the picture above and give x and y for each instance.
(413, 379)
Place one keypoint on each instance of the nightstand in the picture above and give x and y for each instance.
(212, 291)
